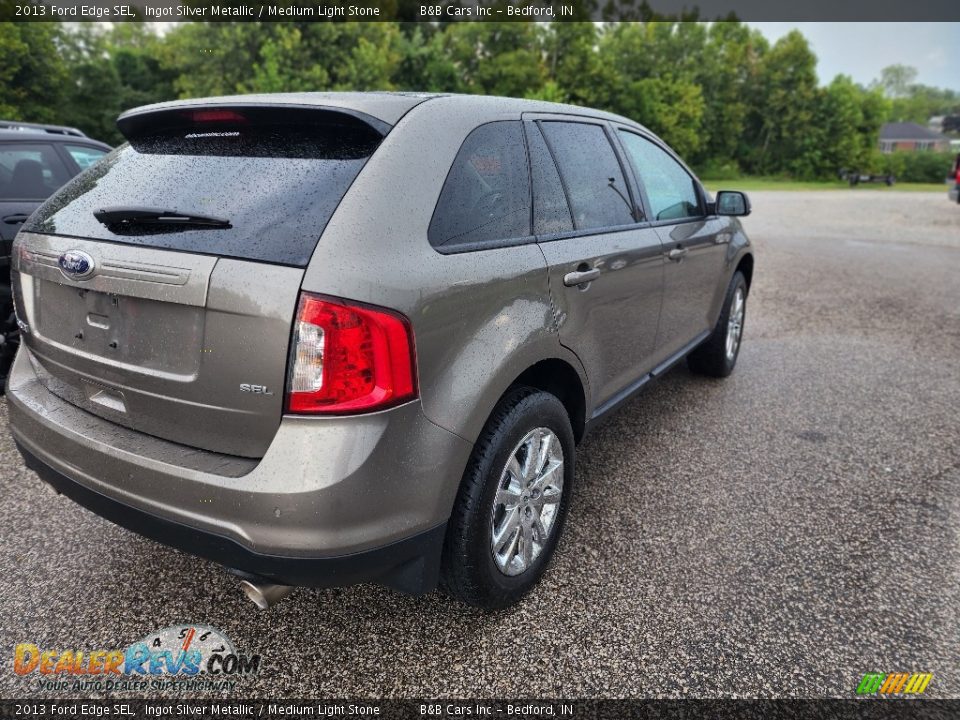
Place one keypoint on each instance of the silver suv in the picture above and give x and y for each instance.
(328, 338)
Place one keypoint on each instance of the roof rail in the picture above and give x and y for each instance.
(38, 127)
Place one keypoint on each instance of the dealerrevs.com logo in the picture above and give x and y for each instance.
(182, 657)
(894, 683)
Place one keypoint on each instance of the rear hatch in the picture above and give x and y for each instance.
(159, 287)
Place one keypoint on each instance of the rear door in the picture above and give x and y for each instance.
(605, 261)
(694, 245)
(180, 327)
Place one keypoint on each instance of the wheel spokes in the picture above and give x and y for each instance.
(507, 527)
(526, 502)
(527, 546)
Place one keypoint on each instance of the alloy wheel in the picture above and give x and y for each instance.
(735, 323)
(527, 502)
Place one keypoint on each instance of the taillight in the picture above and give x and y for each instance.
(348, 358)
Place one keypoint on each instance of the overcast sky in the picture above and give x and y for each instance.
(862, 50)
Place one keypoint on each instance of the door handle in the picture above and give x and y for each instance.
(580, 277)
(677, 254)
(15, 219)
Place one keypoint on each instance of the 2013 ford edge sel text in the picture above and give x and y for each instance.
(328, 338)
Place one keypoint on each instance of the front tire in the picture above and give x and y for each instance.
(512, 502)
(717, 355)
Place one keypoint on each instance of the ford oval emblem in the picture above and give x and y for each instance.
(76, 264)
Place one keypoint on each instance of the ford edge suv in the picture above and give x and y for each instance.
(329, 338)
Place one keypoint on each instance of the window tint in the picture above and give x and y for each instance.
(486, 196)
(277, 180)
(84, 155)
(670, 189)
(591, 174)
(30, 172)
(550, 211)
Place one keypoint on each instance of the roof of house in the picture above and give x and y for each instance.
(909, 131)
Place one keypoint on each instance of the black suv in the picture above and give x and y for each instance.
(35, 160)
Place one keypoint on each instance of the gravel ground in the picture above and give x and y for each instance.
(779, 533)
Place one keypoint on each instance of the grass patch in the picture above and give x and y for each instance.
(757, 183)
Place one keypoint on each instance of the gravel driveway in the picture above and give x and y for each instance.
(779, 533)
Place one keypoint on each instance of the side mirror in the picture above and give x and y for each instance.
(732, 202)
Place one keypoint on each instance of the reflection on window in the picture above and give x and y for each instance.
(670, 189)
(85, 156)
(598, 194)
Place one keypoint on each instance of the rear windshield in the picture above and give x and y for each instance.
(276, 183)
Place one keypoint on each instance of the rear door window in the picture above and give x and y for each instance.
(592, 177)
(275, 175)
(486, 196)
(671, 191)
(30, 171)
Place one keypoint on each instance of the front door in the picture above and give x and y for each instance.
(606, 263)
(694, 245)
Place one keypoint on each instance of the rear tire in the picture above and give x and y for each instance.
(512, 502)
(717, 355)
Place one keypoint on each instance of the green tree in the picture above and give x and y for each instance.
(33, 74)
(91, 100)
(655, 82)
(497, 58)
(213, 58)
(727, 75)
(424, 65)
(576, 72)
(897, 79)
(784, 111)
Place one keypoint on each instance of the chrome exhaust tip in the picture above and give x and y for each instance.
(264, 595)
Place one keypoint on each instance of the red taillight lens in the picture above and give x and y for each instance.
(348, 358)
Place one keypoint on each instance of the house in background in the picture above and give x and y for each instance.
(911, 137)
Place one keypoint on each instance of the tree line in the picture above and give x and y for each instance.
(721, 94)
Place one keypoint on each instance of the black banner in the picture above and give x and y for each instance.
(864, 709)
(476, 10)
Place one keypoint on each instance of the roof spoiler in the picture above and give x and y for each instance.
(162, 120)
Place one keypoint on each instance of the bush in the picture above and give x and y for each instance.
(714, 169)
(918, 167)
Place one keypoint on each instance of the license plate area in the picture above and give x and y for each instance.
(149, 335)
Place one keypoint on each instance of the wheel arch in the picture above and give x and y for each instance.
(560, 379)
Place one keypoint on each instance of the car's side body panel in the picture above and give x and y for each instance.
(690, 284)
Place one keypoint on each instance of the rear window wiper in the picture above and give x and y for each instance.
(136, 215)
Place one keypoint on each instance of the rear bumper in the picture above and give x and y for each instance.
(334, 501)
(411, 565)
